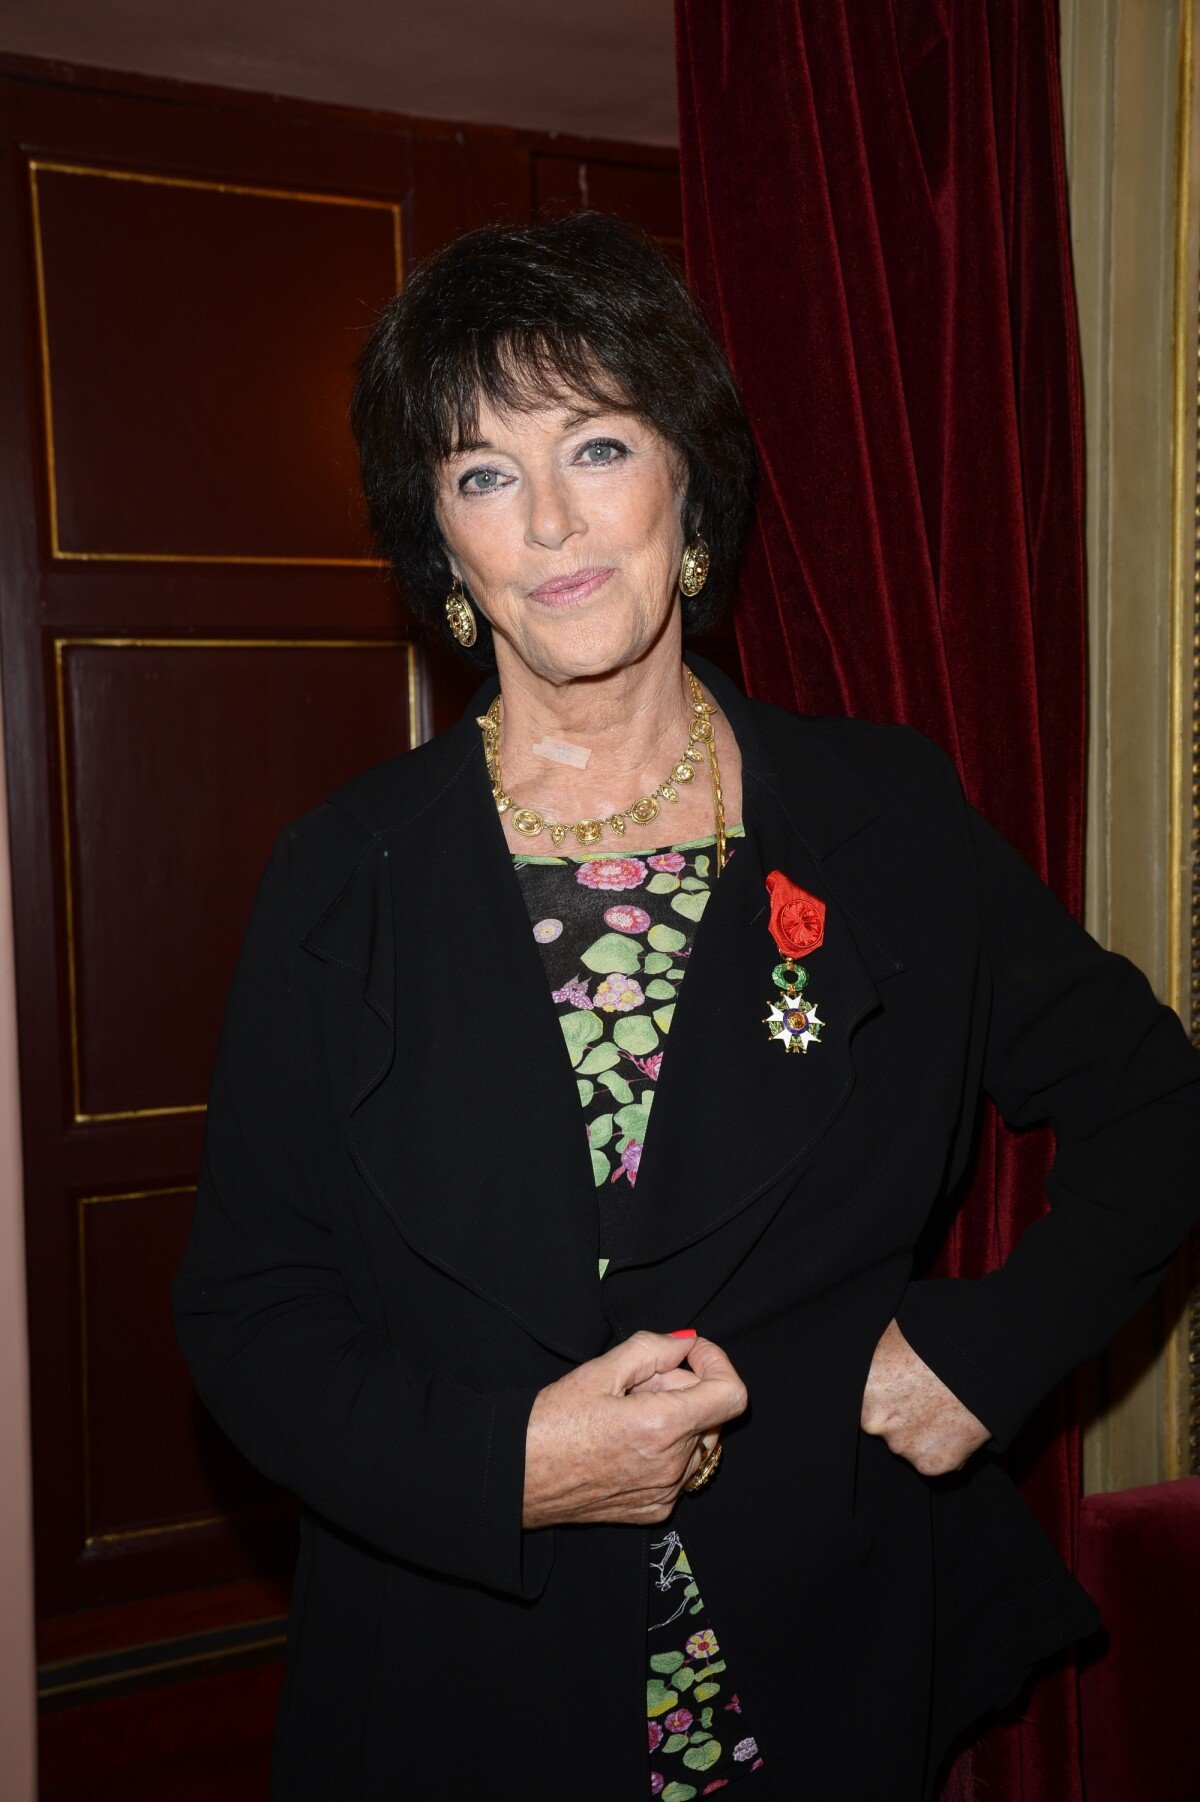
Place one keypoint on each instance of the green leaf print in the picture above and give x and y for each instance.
(666, 1662)
(691, 906)
(702, 863)
(662, 884)
(600, 1130)
(659, 990)
(601, 1059)
(666, 938)
(655, 962)
(701, 1758)
(676, 1743)
(579, 1028)
(586, 1090)
(616, 1085)
(659, 1699)
(600, 1173)
(706, 1717)
(677, 1792)
(685, 1678)
(633, 1121)
(663, 1017)
(633, 1032)
(615, 951)
(705, 1690)
(693, 882)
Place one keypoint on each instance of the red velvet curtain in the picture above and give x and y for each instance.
(875, 223)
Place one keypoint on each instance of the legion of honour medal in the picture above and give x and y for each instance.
(797, 925)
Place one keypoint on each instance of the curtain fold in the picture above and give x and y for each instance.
(875, 223)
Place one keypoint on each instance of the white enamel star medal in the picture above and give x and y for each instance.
(793, 1020)
(797, 925)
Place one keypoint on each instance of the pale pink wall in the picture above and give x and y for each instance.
(18, 1670)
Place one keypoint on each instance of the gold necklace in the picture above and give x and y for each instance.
(529, 822)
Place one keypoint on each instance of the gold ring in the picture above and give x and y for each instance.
(707, 1468)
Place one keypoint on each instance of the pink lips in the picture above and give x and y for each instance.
(564, 591)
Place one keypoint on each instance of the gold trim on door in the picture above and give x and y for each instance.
(38, 166)
(120, 1535)
(79, 1114)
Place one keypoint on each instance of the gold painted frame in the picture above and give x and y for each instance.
(101, 173)
(80, 1116)
(1182, 1363)
(194, 1661)
(121, 1535)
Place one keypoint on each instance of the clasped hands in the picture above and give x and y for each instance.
(617, 1438)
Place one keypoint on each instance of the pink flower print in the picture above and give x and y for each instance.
(670, 861)
(546, 931)
(656, 1735)
(657, 1780)
(745, 1748)
(574, 992)
(649, 1066)
(720, 1783)
(734, 1702)
(623, 918)
(702, 1644)
(679, 1720)
(631, 1159)
(611, 872)
(618, 994)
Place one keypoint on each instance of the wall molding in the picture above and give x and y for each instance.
(1130, 116)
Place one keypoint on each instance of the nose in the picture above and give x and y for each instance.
(552, 516)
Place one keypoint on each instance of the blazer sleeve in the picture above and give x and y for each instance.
(420, 1466)
(1075, 1037)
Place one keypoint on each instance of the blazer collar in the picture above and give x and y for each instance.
(460, 1105)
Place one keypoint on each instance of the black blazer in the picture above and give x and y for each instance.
(394, 1248)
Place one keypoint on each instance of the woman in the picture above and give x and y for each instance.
(587, 1078)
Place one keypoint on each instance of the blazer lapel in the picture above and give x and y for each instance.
(460, 1105)
(461, 1110)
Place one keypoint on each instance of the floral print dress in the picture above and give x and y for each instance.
(615, 934)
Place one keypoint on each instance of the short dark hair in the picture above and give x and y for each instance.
(517, 314)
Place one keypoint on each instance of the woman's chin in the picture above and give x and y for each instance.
(586, 646)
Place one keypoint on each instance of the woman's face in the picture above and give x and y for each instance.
(565, 527)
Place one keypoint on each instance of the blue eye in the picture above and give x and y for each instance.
(614, 445)
(488, 479)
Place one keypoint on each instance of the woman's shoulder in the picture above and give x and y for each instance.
(318, 853)
(887, 754)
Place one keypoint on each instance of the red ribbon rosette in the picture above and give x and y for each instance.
(797, 922)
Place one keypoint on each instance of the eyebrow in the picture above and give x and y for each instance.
(573, 417)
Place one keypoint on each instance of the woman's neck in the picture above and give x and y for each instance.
(588, 748)
(619, 733)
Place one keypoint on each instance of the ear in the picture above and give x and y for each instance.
(689, 507)
(448, 554)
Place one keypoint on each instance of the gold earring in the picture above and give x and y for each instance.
(460, 616)
(693, 573)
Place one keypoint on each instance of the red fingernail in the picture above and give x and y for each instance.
(684, 1332)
